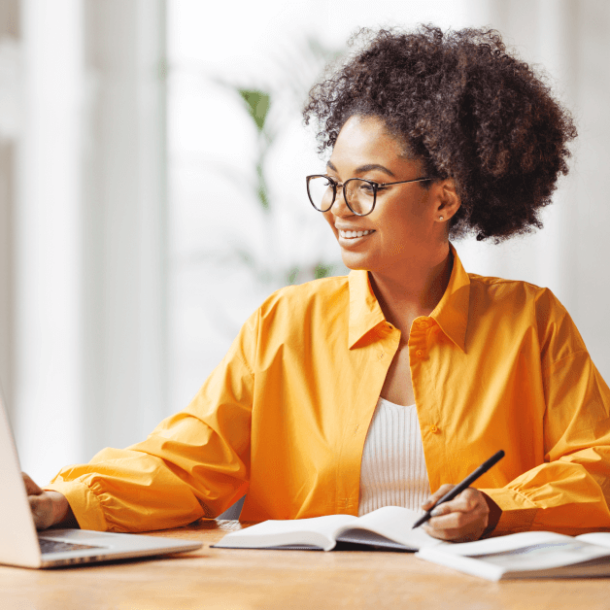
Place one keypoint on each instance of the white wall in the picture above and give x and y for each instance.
(48, 383)
(124, 223)
(89, 230)
(10, 104)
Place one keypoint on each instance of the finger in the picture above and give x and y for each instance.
(469, 501)
(458, 526)
(35, 510)
(436, 533)
(42, 511)
(457, 520)
(436, 496)
(464, 502)
(31, 487)
(465, 534)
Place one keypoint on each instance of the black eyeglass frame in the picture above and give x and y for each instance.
(376, 187)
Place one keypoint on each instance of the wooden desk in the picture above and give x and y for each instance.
(227, 579)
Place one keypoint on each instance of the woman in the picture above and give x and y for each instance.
(348, 393)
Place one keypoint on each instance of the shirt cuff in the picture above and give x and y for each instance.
(84, 503)
(518, 513)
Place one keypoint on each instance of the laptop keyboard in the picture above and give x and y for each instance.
(59, 546)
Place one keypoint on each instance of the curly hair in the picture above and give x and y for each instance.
(467, 109)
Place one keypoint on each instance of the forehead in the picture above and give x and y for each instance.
(365, 141)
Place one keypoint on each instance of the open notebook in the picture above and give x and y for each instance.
(388, 527)
(527, 555)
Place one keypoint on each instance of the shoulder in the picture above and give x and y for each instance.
(515, 295)
(289, 315)
(509, 291)
(318, 297)
(291, 319)
(529, 306)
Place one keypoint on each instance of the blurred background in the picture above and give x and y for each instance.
(152, 163)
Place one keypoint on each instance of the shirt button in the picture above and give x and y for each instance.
(419, 353)
(434, 429)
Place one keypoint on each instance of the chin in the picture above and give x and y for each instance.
(355, 263)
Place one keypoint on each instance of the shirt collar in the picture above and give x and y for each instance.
(451, 313)
(364, 309)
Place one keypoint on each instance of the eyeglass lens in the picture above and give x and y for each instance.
(360, 194)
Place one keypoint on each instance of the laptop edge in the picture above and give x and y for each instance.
(19, 541)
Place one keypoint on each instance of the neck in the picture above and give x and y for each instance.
(413, 292)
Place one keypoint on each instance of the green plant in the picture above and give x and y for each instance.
(310, 57)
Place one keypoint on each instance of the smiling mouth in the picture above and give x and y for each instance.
(354, 234)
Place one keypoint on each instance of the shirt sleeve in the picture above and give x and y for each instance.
(194, 464)
(570, 491)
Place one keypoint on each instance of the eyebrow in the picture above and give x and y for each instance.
(366, 168)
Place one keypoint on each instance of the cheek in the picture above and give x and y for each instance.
(403, 231)
(411, 217)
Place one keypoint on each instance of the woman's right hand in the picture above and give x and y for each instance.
(48, 507)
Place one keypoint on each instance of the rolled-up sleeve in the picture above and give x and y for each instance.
(570, 491)
(194, 464)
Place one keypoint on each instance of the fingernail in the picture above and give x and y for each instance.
(437, 511)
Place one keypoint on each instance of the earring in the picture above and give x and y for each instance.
(440, 217)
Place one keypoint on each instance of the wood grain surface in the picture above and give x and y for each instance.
(231, 579)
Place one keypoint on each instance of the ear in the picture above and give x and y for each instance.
(448, 199)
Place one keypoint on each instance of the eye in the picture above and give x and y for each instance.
(368, 189)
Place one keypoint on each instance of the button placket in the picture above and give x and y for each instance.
(425, 352)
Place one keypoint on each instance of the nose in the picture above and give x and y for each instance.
(339, 207)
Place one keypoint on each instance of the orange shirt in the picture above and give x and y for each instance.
(497, 365)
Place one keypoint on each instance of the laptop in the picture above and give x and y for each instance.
(21, 545)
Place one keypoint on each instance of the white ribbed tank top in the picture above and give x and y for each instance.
(393, 471)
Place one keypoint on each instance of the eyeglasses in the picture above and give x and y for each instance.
(360, 195)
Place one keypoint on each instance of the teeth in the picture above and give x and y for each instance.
(352, 234)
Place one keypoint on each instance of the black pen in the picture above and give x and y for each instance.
(460, 487)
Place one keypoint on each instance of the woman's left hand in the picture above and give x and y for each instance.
(462, 519)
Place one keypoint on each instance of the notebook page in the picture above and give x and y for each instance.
(546, 555)
(502, 544)
(319, 531)
(396, 523)
(600, 538)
